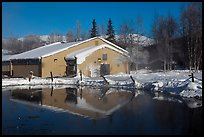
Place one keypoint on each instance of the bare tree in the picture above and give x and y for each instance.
(164, 29)
(28, 42)
(70, 36)
(55, 37)
(78, 30)
(191, 26)
(172, 28)
(138, 42)
(31, 42)
(126, 31)
(14, 45)
(52, 38)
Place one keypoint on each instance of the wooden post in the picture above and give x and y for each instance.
(51, 76)
(107, 83)
(75, 93)
(80, 93)
(51, 91)
(192, 77)
(29, 78)
(80, 72)
(132, 79)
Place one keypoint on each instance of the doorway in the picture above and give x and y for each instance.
(71, 68)
(105, 69)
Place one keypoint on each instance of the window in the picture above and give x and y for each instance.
(104, 57)
(99, 59)
(55, 60)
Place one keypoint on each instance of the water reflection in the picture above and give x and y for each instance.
(25, 95)
(73, 110)
(88, 102)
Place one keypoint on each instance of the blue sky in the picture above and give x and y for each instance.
(24, 18)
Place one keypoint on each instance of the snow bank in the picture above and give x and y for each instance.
(174, 82)
(37, 81)
(192, 90)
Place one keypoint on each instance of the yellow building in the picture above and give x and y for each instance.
(93, 57)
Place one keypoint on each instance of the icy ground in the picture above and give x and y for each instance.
(175, 82)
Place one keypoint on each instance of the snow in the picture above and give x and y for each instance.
(54, 48)
(83, 53)
(42, 37)
(143, 40)
(6, 54)
(173, 82)
(6, 57)
(44, 50)
(125, 51)
(47, 50)
(192, 86)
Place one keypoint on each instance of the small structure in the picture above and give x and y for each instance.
(94, 57)
(6, 64)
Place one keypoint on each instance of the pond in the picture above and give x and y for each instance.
(88, 111)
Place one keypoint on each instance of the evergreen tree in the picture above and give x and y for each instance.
(110, 32)
(94, 31)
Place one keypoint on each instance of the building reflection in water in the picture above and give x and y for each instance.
(86, 102)
(27, 96)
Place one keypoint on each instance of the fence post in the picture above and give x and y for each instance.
(132, 79)
(192, 77)
(107, 83)
(51, 76)
(80, 72)
(80, 93)
(30, 76)
(51, 91)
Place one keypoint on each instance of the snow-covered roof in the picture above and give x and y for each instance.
(54, 48)
(44, 50)
(6, 57)
(83, 53)
(113, 45)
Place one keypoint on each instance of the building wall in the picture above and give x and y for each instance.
(57, 65)
(6, 69)
(58, 68)
(91, 66)
(24, 70)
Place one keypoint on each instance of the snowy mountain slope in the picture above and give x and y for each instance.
(43, 38)
(143, 40)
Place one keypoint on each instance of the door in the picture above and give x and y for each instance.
(105, 69)
(71, 69)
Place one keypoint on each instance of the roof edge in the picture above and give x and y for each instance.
(47, 55)
(113, 44)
